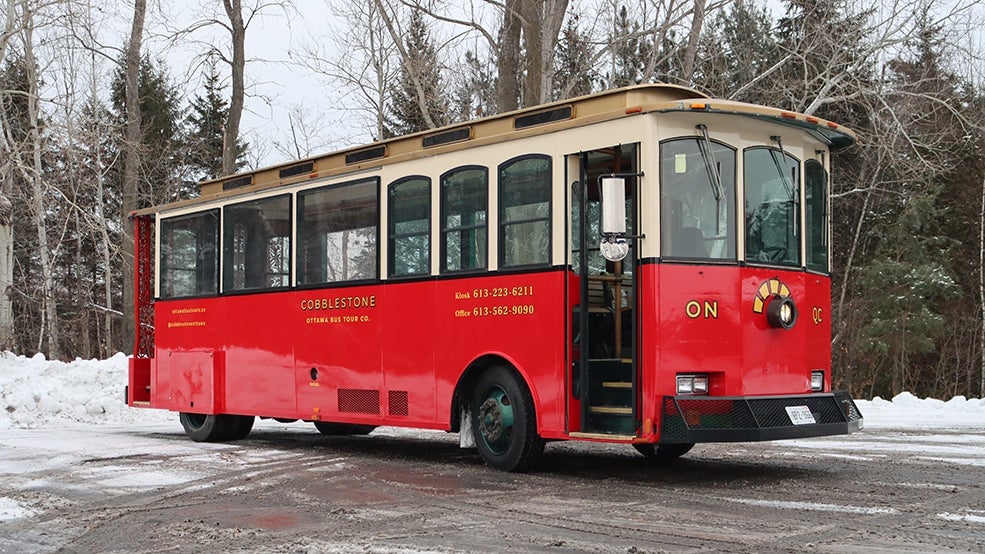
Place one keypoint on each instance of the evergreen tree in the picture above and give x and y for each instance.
(160, 175)
(206, 129)
(737, 48)
(906, 283)
(475, 90)
(921, 231)
(628, 57)
(574, 74)
(420, 76)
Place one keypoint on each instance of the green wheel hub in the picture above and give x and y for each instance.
(496, 420)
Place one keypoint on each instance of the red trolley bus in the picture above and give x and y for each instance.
(645, 266)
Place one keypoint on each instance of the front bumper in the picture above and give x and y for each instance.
(689, 419)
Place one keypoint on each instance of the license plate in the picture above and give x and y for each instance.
(800, 415)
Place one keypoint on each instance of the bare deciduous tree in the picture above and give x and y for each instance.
(356, 55)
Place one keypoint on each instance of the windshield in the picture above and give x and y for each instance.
(697, 179)
(772, 201)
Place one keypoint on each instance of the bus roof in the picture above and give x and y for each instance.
(584, 110)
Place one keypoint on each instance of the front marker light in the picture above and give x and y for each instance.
(692, 384)
(817, 380)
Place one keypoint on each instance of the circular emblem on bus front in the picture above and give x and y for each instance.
(773, 298)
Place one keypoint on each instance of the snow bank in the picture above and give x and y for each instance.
(906, 411)
(35, 392)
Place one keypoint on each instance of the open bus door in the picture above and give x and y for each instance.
(604, 372)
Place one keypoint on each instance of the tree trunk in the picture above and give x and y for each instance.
(508, 59)
(230, 139)
(32, 172)
(6, 273)
(981, 289)
(107, 346)
(691, 52)
(131, 161)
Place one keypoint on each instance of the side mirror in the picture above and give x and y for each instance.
(613, 206)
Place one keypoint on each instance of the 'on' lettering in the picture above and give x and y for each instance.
(707, 309)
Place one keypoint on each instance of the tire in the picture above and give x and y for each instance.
(205, 428)
(239, 426)
(663, 451)
(342, 429)
(503, 421)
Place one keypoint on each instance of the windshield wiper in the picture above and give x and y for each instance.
(710, 165)
(779, 166)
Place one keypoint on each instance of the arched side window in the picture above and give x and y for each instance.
(464, 219)
(525, 212)
(409, 226)
(816, 199)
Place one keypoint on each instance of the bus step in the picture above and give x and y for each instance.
(612, 420)
(610, 410)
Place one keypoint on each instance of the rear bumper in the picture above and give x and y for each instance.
(689, 419)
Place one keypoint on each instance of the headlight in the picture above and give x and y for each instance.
(692, 384)
(817, 380)
(781, 312)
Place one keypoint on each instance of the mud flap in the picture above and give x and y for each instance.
(465, 437)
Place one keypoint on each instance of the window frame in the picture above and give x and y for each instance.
(445, 231)
(825, 204)
(392, 235)
(375, 181)
(290, 250)
(161, 224)
(502, 223)
(798, 211)
(734, 210)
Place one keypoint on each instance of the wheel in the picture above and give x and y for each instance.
(663, 451)
(239, 426)
(339, 429)
(503, 421)
(205, 428)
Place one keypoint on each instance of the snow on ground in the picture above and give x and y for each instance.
(37, 393)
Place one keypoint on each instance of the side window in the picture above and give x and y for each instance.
(409, 227)
(464, 205)
(257, 244)
(190, 255)
(697, 187)
(816, 190)
(337, 233)
(772, 190)
(525, 211)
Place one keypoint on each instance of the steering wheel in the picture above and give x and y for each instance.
(773, 253)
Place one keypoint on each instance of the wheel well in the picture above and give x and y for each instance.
(463, 390)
